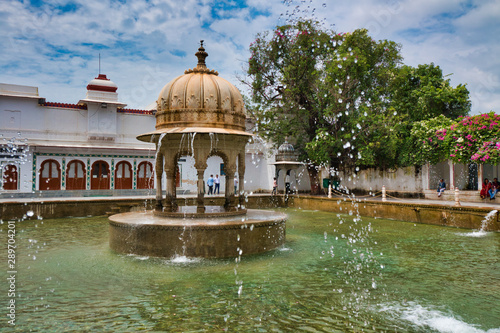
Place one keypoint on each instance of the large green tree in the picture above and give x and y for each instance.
(423, 93)
(327, 92)
(419, 94)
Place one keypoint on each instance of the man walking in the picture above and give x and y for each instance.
(210, 184)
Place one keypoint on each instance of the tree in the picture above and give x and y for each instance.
(327, 92)
(424, 93)
(420, 94)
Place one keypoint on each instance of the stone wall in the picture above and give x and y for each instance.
(461, 217)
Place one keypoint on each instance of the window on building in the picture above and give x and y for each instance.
(75, 176)
(145, 175)
(9, 177)
(50, 176)
(100, 179)
(123, 176)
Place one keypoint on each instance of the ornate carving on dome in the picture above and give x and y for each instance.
(226, 104)
(176, 102)
(238, 106)
(201, 70)
(211, 117)
(193, 102)
(211, 102)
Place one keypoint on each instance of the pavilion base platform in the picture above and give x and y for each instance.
(145, 234)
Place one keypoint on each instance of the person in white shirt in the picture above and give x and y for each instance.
(217, 184)
(287, 182)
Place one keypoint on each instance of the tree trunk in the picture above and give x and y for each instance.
(313, 177)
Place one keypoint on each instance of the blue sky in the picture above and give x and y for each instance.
(55, 44)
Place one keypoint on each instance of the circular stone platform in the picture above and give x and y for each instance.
(143, 233)
(191, 213)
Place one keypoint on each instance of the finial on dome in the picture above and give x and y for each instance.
(201, 67)
(201, 54)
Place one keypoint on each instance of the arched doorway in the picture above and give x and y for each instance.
(145, 176)
(75, 175)
(100, 176)
(50, 176)
(123, 176)
(9, 178)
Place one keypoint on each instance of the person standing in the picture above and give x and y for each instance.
(287, 182)
(275, 186)
(235, 185)
(217, 184)
(210, 184)
(441, 187)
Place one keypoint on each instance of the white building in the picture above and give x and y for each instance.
(90, 148)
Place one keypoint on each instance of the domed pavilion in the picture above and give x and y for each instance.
(199, 114)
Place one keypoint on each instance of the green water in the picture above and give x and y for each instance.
(334, 274)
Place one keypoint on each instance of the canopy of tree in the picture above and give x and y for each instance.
(344, 100)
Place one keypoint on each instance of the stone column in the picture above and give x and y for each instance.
(229, 203)
(159, 175)
(480, 176)
(170, 197)
(241, 175)
(201, 189)
(452, 174)
(425, 176)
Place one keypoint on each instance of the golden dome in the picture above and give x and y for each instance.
(200, 99)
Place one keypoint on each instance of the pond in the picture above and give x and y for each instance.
(335, 273)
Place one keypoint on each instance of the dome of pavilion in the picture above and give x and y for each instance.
(286, 148)
(200, 101)
(286, 153)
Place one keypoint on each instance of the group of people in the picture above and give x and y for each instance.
(211, 182)
(214, 184)
(287, 184)
(489, 189)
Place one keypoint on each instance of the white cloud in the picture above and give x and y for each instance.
(145, 44)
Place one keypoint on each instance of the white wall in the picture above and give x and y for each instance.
(401, 180)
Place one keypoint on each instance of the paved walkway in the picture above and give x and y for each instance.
(485, 203)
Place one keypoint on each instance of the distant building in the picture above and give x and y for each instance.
(86, 146)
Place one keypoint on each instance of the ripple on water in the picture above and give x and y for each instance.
(428, 318)
(477, 233)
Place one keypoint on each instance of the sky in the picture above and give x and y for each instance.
(55, 45)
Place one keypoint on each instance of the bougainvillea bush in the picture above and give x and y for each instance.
(468, 139)
(471, 139)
